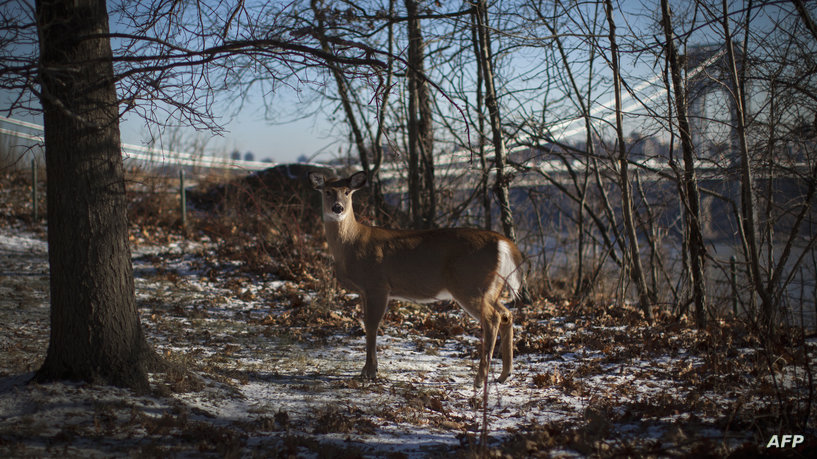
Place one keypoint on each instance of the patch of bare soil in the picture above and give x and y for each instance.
(23, 301)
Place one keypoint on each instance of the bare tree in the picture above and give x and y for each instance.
(342, 88)
(368, 144)
(96, 335)
(484, 60)
(805, 16)
(695, 245)
(747, 180)
(582, 99)
(481, 140)
(636, 268)
(420, 130)
(95, 331)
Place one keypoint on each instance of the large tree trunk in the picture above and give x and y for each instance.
(96, 335)
(636, 268)
(697, 250)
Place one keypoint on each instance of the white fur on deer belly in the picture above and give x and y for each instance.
(441, 296)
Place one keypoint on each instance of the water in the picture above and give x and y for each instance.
(547, 232)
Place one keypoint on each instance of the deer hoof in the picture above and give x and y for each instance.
(369, 372)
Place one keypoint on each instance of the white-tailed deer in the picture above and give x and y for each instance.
(470, 266)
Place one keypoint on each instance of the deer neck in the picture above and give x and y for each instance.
(342, 233)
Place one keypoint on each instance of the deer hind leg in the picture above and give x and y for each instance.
(374, 308)
(506, 335)
(490, 320)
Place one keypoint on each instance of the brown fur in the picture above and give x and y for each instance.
(420, 265)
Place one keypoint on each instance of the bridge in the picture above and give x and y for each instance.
(706, 75)
(136, 155)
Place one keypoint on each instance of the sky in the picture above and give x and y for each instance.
(279, 141)
(283, 140)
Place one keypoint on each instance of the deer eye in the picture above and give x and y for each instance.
(347, 192)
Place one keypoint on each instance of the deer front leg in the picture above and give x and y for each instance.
(374, 308)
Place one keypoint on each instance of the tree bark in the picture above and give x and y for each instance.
(96, 335)
(747, 194)
(636, 268)
(804, 14)
(485, 169)
(421, 136)
(697, 250)
(346, 102)
(500, 151)
(343, 91)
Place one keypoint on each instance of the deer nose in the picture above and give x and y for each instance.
(337, 208)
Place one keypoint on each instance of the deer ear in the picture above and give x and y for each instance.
(357, 181)
(317, 180)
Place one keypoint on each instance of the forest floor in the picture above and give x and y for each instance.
(271, 370)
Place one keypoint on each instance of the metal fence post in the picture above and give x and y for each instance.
(183, 198)
(34, 189)
(733, 271)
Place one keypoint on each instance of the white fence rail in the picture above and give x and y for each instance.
(151, 155)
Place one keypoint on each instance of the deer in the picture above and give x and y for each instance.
(470, 266)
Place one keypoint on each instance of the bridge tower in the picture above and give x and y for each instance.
(707, 78)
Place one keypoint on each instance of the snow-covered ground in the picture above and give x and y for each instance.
(273, 371)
